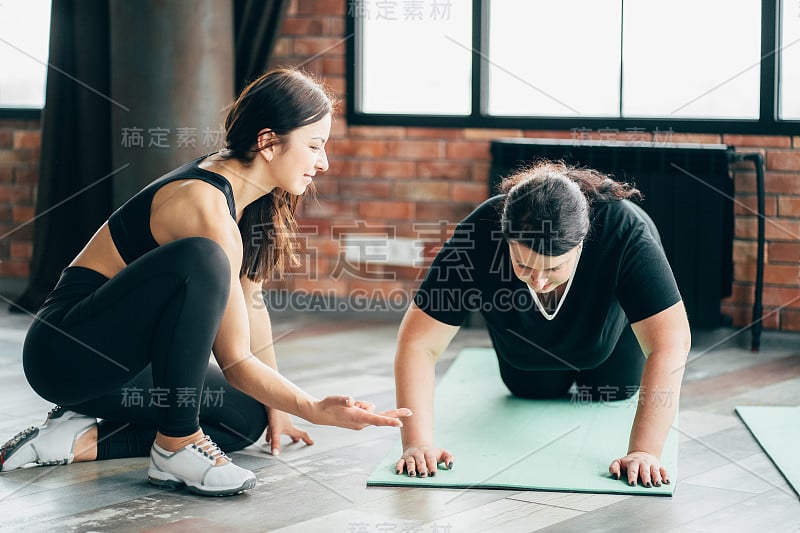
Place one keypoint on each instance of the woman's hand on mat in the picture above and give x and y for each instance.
(423, 460)
(281, 424)
(640, 465)
(346, 412)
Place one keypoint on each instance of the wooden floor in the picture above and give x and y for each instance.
(726, 482)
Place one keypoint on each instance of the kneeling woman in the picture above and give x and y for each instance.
(575, 289)
(176, 273)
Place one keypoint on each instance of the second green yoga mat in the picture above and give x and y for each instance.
(777, 430)
(504, 442)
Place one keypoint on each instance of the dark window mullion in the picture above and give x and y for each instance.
(770, 57)
(354, 83)
(621, 54)
(480, 79)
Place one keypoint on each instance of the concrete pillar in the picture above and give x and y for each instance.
(172, 68)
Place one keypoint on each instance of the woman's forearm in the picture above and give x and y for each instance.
(659, 396)
(258, 380)
(414, 371)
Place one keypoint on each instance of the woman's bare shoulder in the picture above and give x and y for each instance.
(190, 208)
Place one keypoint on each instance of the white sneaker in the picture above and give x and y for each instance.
(51, 443)
(196, 467)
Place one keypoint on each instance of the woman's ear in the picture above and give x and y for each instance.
(266, 143)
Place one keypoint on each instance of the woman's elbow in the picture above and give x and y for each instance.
(236, 376)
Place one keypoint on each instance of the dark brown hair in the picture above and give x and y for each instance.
(281, 100)
(547, 205)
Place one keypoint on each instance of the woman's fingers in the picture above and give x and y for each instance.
(376, 419)
(369, 407)
(384, 418)
(432, 461)
(397, 413)
(298, 434)
(411, 466)
(639, 466)
(448, 459)
(423, 461)
(615, 469)
(274, 438)
(644, 473)
(422, 464)
(345, 411)
(633, 473)
(655, 475)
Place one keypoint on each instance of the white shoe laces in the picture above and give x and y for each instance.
(57, 410)
(209, 449)
(19, 437)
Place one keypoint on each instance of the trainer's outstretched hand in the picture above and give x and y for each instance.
(346, 412)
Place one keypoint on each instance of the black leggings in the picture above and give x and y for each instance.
(134, 350)
(617, 378)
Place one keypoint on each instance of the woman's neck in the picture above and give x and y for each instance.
(247, 181)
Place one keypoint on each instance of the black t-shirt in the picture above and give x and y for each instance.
(622, 277)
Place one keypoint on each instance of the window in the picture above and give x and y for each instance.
(789, 99)
(24, 41)
(412, 67)
(579, 74)
(684, 65)
(691, 58)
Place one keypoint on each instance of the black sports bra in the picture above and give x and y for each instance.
(130, 224)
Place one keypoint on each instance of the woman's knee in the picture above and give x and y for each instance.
(201, 254)
(202, 259)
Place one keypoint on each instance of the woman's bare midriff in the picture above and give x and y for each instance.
(100, 254)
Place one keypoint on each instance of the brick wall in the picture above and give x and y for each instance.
(409, 178)
(19, 173)
(782, 230)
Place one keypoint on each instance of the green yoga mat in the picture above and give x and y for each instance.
(777, 430)
(503, 442)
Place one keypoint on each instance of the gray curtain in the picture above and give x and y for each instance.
(257, 24)
(74, 190)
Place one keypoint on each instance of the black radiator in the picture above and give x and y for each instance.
(687, 190)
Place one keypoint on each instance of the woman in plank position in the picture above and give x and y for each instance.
(173, 274)
(575, 289)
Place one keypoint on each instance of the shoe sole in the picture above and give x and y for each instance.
(175, 484)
